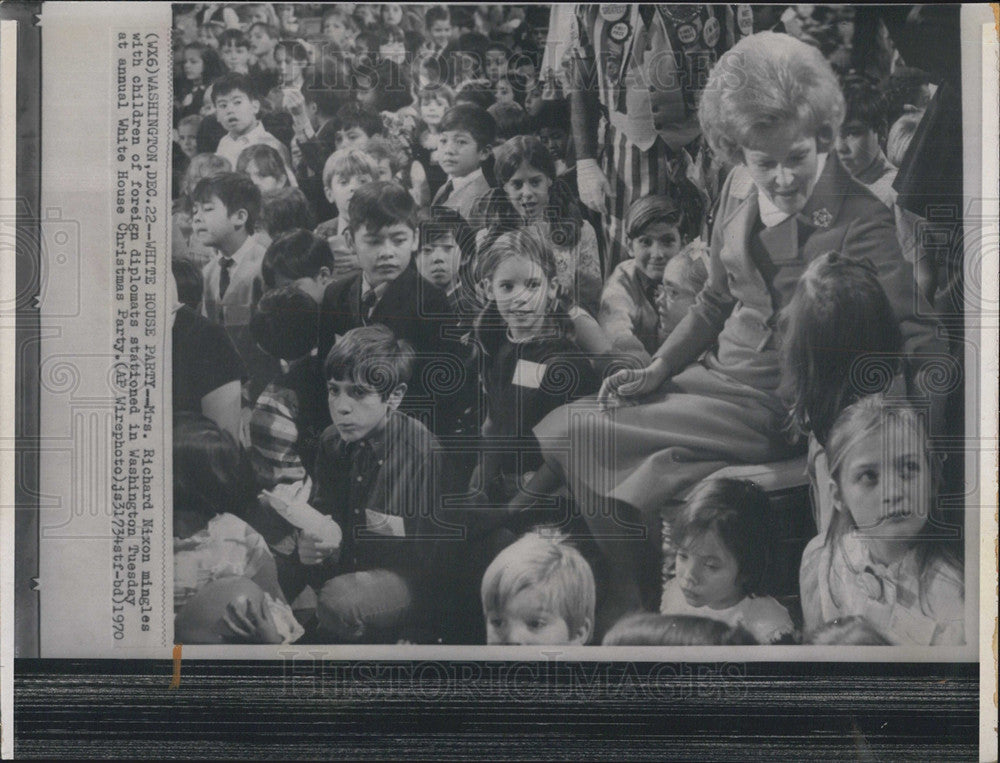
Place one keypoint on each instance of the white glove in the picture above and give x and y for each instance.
(593, 184)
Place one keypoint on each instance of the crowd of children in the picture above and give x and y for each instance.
(398, 361)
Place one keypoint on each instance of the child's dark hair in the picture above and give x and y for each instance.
(474, 120)
(839, 334)
(511, 119)
(372, 357)
(268, 160)
(285, 323)
(477, 91)
(233, 82)
(327, 99)
(552, 114)
(294, 255)
(436, 13)
(562, 212)
(443, 221)
(212, 66)
(738, 511)
(190, 283)
(233, 37)
(393, 85)
(235, 190)
(284, 210)
(497, 45)
(208, 472)
(647, 210)
(652, 629)
(867, 104)
(379, 204)
(355, 115)
(270, 30)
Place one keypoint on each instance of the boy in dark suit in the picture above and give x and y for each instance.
(390, 291)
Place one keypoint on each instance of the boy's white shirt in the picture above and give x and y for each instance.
(230, 148)
(458, 184)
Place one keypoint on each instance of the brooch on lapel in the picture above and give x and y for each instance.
(822, 218)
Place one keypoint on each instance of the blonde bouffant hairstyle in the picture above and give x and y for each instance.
(765, 81)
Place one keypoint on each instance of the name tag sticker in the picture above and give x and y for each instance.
(385, 524)
(529, 374)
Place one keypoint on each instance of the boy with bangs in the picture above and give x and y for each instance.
(467, 134)
(538, 590)
(390, 291)
(377, 473)
(237, 108)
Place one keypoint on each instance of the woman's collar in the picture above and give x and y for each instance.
(770, 215)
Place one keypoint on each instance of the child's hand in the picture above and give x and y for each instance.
(294, 102)
(316, 547)
(249, 620)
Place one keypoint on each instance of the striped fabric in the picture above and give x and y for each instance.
(632, 174)
(274, 435)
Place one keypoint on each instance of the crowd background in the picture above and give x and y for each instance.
(457, 151)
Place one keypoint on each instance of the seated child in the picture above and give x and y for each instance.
(291, 412)
(497, 56)
(531, 366)
(723, 545)
(388, 290)
(538, 590)
(226, 208)
(629, 313)
(184, 243)
(377, 476)
(433, 101)
(237, 107)
(300, 258)
(466, 137)
(683, 277)
(353, 125)
(187, 134)
(345, 171)
(212, 544)
(447, 247)
(652, 629)
(883, 556)
(859, 145)
(234, 48)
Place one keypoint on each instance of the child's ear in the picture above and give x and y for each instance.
(583, 633)
(396, 397)
(328, 193)
(349, 236)
(836, 496)
(241, 216)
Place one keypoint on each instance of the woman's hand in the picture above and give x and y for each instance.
(632, 383)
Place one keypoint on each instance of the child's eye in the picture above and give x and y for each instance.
(868, 477)
(645, 241)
